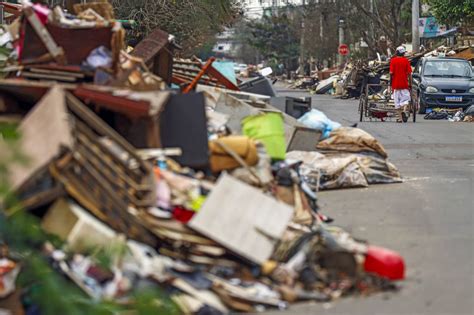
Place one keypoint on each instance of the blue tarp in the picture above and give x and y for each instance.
(227, 69)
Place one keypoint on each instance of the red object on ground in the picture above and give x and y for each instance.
(380, 115)
(385, 263)
(183, 215)
(343, 50)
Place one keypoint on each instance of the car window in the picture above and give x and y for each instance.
(447, 68)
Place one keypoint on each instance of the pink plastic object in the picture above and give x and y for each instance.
(42, 12)
(385, 263)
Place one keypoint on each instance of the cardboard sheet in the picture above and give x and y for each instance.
(242, 219)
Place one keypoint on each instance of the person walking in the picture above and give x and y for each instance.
(401, 82)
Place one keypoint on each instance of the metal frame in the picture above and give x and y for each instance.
(367, 106)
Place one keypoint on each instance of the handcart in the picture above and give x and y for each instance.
(376, 103)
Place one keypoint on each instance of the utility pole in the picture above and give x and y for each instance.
(302, 40)
(341, 39)
(414, 25)
(372, 30)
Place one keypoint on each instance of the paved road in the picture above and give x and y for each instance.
(428, 218)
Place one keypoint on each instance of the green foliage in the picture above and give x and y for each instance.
(10, 154)
(53, 294)
(205, 52)
(275, 37)
(453, 12)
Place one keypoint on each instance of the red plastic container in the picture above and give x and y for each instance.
(385, 263)
(183, 215)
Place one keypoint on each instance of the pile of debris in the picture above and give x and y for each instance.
(188, 190)
(358, 74)
(350, 81)
(319, 82)
(451, 114)
(305, 83)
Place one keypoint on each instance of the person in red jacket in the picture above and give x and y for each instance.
(400, 76)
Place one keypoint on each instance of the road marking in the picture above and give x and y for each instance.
(436, 179)
(414, 179)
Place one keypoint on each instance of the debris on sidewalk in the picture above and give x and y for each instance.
(469, 114)
(451, 114)
(357, 74)
(354, 140)
(344, 170)
(204, 194)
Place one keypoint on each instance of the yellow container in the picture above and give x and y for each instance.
(269, 129)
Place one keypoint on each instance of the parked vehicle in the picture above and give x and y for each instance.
(238, 68)
(443, 82)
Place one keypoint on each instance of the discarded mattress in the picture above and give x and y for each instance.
(354, 140)
(329, 173)
(344, 170)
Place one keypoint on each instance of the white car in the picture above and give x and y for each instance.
(240, 67)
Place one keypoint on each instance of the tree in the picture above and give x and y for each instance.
(193, 22)
(381, 24)
(453, 12)
(245, 51)
(388, 18)
(321, 29)
(369, 20)
(276, 38)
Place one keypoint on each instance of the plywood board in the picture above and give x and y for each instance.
(242, 219)
(45, 130)
(151, 45)
(467, 54)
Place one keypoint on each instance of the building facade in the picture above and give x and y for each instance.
(255, 9)
(226, 44)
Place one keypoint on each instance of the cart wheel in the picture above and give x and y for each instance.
(361, 109)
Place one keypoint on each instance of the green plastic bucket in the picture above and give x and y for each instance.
(268, 128)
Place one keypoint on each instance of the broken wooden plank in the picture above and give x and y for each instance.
(49, 77)
(156, 50)
(56, 51)
(78, 75)
(75, 51)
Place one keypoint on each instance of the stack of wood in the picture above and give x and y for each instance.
(187, 73)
